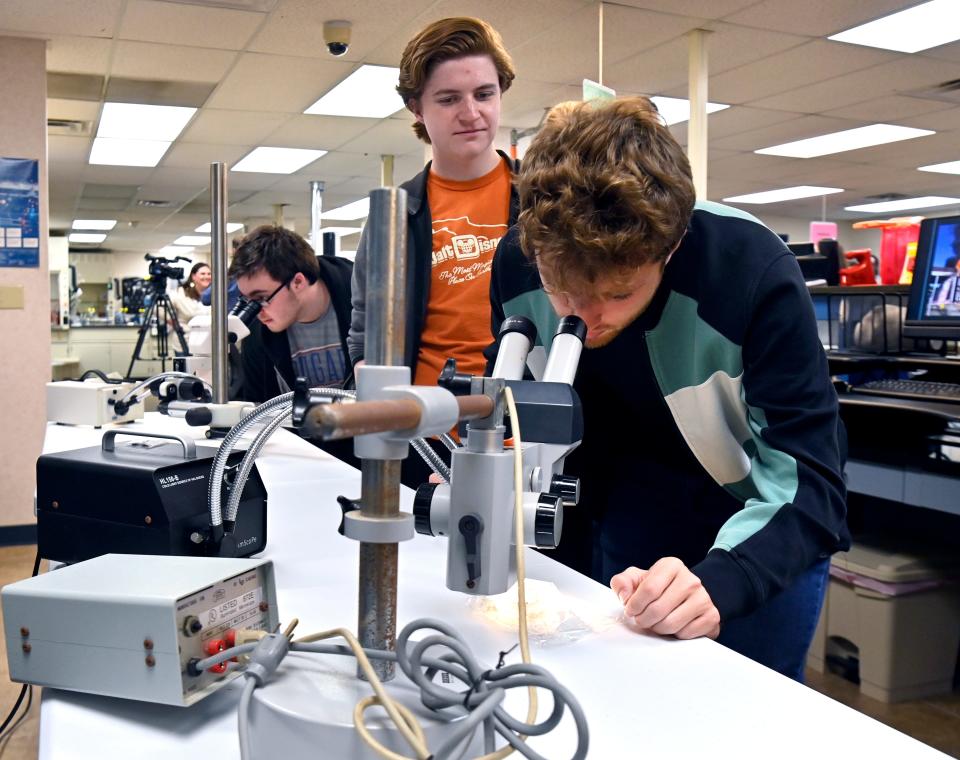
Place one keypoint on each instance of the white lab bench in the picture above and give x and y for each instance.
(644, 696)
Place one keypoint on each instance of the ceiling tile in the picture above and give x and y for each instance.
(888, 108)
(816, 18)
(228, 127)
(89, 18)
(940, 121)
(78, 55)
(811, 62)
(389, 136)
(904, 73)
(180, 24)
(68, 150)
(146, 60)
(297, 27)
(782, 132)
(280, 83)
(325, 132)
(186, 155)
(626, 31)
(342, 164)
(708, 9)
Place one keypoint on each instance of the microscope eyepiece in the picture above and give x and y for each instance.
(247, 310)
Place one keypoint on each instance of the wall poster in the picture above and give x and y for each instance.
(19, 213)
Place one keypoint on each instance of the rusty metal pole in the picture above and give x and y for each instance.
(380, 479)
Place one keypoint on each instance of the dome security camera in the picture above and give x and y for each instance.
(337, 36)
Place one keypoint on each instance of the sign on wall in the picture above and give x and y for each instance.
(19, 213)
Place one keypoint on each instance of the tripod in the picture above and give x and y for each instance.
(160, 309)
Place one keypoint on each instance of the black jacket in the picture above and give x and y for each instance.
(264, 354)
(419, 270)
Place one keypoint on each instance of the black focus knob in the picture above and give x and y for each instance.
(457, 383)
(567, 487)
(548, 521)
(421, 508)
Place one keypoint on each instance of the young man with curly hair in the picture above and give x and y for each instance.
(711, 468)
(452, 77)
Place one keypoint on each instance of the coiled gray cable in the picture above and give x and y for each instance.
(479, 704)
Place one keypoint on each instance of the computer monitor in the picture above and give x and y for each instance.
(934, 307)
(802, 249)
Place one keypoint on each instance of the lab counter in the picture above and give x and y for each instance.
(107, 348)
(644, 696)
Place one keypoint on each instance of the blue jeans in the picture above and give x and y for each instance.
(779, 633)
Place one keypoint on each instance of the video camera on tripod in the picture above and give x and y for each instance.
(160, 269)
(160, 310)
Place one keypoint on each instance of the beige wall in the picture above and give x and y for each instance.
(24, 333)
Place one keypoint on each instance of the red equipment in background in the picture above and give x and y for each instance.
(861, 272)
(896, 235)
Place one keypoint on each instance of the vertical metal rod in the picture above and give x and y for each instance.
(697, 128)
(386, 169)
(385, 344)
(218, 300)
(316, 214)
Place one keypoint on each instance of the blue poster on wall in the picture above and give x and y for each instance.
(19, 213)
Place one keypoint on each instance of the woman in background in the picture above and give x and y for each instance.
(186, 300)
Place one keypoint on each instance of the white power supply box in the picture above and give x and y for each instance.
(88, 402)
(128, 625)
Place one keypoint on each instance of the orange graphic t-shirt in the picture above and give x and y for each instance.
(469, 218)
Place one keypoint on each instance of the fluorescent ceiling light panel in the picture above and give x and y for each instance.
(94, 224)
(927, 201)
(919, 28)
(676, 110)
(231, 227)
(785, 194)
(175, 250)
(86, 237)
(277, 160)
(114, 151)
(192, 240)
(140, 122)
(951, 167)
(369, 92)
(357, 210)
(848, 139)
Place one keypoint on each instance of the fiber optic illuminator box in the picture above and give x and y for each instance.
(127, 625)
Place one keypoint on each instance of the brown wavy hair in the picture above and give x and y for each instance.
(603, 187)
(445, 40)
(190, 289)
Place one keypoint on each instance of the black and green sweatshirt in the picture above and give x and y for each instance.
(711, 425)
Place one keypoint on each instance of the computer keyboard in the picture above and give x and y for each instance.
(923, 390)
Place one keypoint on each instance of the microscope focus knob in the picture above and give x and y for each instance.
(548, 521)
(457, 383)
(567, 487)
(421, 508)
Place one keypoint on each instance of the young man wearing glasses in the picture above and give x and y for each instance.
(304, 313)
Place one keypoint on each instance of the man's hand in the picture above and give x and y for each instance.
(667, 599)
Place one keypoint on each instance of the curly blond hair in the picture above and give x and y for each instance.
(445, 40)
(604, 187)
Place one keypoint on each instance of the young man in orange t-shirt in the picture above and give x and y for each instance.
(452, 76)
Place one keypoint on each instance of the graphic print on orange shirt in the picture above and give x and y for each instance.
(469, 219)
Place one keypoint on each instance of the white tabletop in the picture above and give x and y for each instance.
(643, 696)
